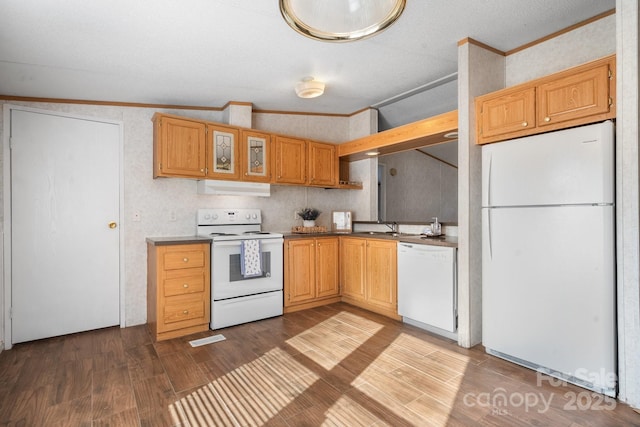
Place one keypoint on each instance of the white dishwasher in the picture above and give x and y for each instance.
(427, 286)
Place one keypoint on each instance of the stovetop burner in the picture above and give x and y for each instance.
(231, 224)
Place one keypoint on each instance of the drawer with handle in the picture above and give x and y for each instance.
(182, 308)
(179, 282)
(183, 259)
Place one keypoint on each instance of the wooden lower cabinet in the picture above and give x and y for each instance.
(368, 274)
(178, 289)
(359, 271)
(352, 267)
(310, 272)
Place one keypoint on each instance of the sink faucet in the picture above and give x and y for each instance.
(392, 225)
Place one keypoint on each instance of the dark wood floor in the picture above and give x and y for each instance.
(335, 365)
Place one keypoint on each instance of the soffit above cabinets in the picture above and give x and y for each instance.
(419, 134)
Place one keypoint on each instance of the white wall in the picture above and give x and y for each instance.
(156, 199)
(627, 200)
(576, 47)
(479, 71)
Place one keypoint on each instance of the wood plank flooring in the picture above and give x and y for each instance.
(335, 365)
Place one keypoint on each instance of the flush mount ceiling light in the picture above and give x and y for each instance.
(309, 88)
(340, 20)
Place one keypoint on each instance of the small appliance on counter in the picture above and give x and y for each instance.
(341, 221)
(434, 230)
(436, 227)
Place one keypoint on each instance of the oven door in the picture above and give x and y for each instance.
(227, 280)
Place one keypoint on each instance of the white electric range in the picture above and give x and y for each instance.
(238, 298)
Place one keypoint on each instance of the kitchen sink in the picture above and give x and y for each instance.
(389, 233)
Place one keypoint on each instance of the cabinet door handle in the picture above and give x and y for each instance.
(547, 119)
(525, 124)
(185, 312)
(185, 259)
(186, 285)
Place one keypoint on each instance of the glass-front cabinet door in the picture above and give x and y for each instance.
(223, 158)
(255, 151)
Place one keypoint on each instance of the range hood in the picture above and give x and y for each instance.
(233, 188)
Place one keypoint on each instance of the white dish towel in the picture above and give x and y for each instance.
(250, 258)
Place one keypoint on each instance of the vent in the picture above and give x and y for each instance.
(233, 188)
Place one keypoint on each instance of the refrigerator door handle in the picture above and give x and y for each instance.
(489, 181)
(489, 233)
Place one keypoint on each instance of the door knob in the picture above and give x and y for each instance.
(113, 224)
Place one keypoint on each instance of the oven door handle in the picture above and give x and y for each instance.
(227, 243)
(237, 242)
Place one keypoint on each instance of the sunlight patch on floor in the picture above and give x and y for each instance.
(414, 379)
(250, 395)
(329, 342)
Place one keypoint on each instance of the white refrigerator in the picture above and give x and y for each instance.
(548, 254)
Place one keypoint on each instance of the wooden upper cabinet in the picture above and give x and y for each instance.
(323, 164)
(179, 147)
(290, 161)
(577, 96)
(510, 112)
(191, 148)
(256, 156)
(573, 97)
(223, 157)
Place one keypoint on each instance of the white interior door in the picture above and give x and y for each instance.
(64, 195)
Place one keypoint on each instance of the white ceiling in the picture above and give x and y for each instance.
(209, 52)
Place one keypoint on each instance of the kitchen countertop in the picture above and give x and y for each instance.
(178, 240)
(449, 241)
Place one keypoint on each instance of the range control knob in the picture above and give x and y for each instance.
(247, 216)
(207, 216)
(255, 216)
(215, 216)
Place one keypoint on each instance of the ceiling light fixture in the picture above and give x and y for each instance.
(340, 20)
(309, 88)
